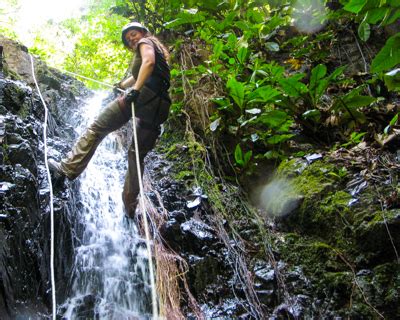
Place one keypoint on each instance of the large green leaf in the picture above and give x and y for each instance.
(218, 48)
(242, 54)
(392, 80)
(317, 84)
(355, 6)
(239, 155)
(185, 17)
(264, 94)
(375, 15)
(358, 101)
(389, 56)
(279, 138)
(273, 119)
(364, 31)
(292, 86)
(236, 91)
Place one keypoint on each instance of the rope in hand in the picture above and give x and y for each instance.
(53, 285)
(144, 217)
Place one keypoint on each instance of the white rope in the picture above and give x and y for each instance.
(144, 216)
(141, 200)
(99, 82)
(53, 285)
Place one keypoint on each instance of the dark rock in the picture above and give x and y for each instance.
(198, 232)
(265, 273)
(24, 190)
(203, 272)
(377, 237)
(292, 309)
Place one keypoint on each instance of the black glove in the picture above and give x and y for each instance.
(131, 96)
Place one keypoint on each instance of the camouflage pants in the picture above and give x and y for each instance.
(109, 120)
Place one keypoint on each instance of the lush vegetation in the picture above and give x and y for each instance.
(276, 65)
(268, 82)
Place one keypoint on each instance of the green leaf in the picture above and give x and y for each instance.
(236, 91)
(358, 101)
(392, 17)
(375, 15)
(392, 80)
(391, 124)
(314, 114)
(317, 85)
(279, 138)
(218, 48)
(247, 157)
(364, 31)
(355, 6)
(273, 119)
(242, 54)
(272, 154)
(394, 120)
(190, 16)
(292, 86)
(337, 72)
(264, 94)
(389, 56)
(239, 155)
(317, 73)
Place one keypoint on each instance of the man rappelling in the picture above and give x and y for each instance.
(147, 88)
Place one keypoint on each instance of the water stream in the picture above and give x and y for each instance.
(110, 276)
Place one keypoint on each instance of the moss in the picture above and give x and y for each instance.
(183, 175)
(314, 255)
(375, 237)
(338, 285)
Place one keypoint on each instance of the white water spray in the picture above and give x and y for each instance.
(278, 197)
(309, 15)
(111, 276)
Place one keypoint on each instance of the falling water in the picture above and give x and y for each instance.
(110, 276)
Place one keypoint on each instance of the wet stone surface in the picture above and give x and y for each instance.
(24, 190)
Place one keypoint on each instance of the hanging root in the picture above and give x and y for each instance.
(170, 267)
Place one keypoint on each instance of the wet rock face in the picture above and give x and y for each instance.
(24, 188)
(189, 232)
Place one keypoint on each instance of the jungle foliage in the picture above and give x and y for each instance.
(283, 66)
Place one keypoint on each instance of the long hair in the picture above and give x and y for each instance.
(159, 44)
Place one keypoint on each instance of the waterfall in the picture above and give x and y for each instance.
(110, 275)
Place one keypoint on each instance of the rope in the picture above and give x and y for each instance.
(99, 82)
(144, 216)
(53, 285)
(141, 200)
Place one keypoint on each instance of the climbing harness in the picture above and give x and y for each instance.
(144, 216)
(141, 200)
(53, 283)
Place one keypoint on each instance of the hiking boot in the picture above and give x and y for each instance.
(55, 169)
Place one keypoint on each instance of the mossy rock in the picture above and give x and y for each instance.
(325, 208)
(379, 236)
